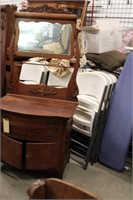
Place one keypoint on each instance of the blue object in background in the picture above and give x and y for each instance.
(119, 124)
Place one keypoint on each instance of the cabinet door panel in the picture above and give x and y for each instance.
(42, 156)
(11, 152)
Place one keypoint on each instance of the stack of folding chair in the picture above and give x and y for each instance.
(95, 91)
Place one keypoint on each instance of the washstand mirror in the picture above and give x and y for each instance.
(40, 34)
(49, 36)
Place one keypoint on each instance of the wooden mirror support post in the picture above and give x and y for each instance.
(37, 119)
(6, 28)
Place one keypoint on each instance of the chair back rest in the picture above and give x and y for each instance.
(91, 84)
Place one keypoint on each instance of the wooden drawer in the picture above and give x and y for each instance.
(42, 156)
(33, 128)
(11, 152)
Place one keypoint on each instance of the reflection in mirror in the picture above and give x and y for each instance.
(44, 37)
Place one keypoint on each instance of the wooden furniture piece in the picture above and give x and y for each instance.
(36, 132)
(36, 119)
(53, 188)
(6, 27)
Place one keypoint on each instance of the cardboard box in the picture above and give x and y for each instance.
(105, 35)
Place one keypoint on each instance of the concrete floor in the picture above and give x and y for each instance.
(104, 182)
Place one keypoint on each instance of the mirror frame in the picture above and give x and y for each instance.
(45, 17)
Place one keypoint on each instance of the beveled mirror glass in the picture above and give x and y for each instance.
(45, 37)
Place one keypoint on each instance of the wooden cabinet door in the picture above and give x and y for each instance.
(41, 156)
(11, 152)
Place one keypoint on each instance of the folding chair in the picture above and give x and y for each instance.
(92, 91)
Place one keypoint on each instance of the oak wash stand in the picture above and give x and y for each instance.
(36, 119)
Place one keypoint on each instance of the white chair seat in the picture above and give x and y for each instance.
(84, 130)
(84, 119)
(88, 102)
